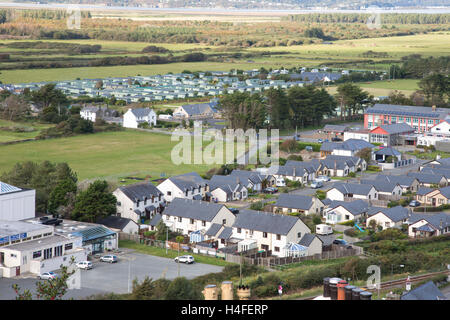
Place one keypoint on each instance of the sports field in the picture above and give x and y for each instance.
(108, 155)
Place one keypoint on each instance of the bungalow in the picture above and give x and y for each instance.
(437, 171)
(253, 180)
(227, 188)
(341, 211)
(134, 117)
(342, 191)
(140, 201)
(312, 242)
(335, 130)
(120, 224)
(406, 183)
(387, 189)
(428, 180)
(433, 197)
(186, 216)
(303, 172)
(292, 203)
(347, 148)
(427, 225)
(197, 111)
(270, 231)
(388, 217)
(187, 186)
(385, 153)
(341, 166)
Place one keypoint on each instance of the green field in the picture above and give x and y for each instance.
(385, 87)
(108, 155)
(31, 130)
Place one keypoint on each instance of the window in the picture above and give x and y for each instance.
(68, 246)
(264, 234)
(251, 232)
(430, 121)
(239, 230)
(191, 221)
(276, 249)
(180, 219)
(299, 235)
(278, 237)
(37, 254)
(224, 221)
(203, 223)
(169, 193)
(58, 251)
(415, 120)
(38, 236)
(48, 253)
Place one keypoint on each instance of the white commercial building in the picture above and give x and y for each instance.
(16, 203)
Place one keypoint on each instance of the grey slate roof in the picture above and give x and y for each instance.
(350, 145)
(353, 188)
(396, 214)
(445, 192)
(439, 220)
(397, 128)
(212, 231)
(140, 191)
(188, 181)
(424, 190)
(245, 176)
(286, 200)
(307, 239)
(197, 109)
(326, 240)
(426, 178)
(403, 181)
(356, 207)
(226, 233)
(141, 112)
(154, 222)
(426, 227)
(441, 172)
(115, 222)
(335, 127)
(193, 209)
(388, 151)
(381, 186)
(427, 291)
(264, 221)
(227, 183)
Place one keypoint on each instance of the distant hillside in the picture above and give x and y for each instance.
(260, 4)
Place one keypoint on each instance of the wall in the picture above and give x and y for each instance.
(18, 205)
(443, 146)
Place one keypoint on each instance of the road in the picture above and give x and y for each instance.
(116, 277)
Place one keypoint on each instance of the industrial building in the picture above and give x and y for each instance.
(16, 203)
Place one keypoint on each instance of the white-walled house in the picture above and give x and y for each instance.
(341, 211)
(291, 203)
(139, 201)
(186, 216)
(269, 231)
(227, 188)
(342, 191)
(133, 117)
(187, 186)
(388, 217)
(428, 225)
(16, 203)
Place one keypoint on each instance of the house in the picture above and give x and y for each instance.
(421, 119)
(445, 172)
(140, 201)
(433, 197)
(390, 134)
(186, 216)
(92, 113)
(429, 180)
(195, 111)
(386, 153)
(335, 130)
(408, 184)
(428, 225)
(427, 291)
(292, 203)
(270, 232)
(342, 191)
(360, 134)
(187, 186)
(134, 117)
(312, 242)
(388, 217)
(16, 203)
(35, 248)
(120, 224)
(386, 190)
(252, 180)
(303, 172)
(227, 188)
(347, 148)
(341, 211)
(341, 166)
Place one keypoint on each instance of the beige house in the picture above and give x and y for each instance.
(433, 197)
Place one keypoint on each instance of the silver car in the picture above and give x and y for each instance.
(48, 276)
(316, 184)
(109, 258)
(185, 259)
(323, 178)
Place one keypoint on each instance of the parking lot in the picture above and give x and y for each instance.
(116, 277)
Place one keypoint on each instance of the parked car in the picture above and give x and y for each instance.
(185, 259)
(48, 276)
(414, 203)
(316, 184)
(336, 139)
(270, 190)
(340, 242)
(109, 258)
(234, 210)
(323, 178)
(281, 182)
(320, 140)
(84, 265)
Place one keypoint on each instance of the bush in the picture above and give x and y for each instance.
(350, 232)
(256, 206)
(295, 157)
(290, 145)
(352, 174)
(374, 168)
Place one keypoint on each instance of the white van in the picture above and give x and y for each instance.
(85, 265)
(280, 182)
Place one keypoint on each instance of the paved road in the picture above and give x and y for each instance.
(105, 277)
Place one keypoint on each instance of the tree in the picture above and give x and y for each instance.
(48, 95)
(61, 195)
(182, 289)
(94, 203)
(351, 98)
(365, 154)
(162, 231)
(436, 89)
(13, 108)
(99, 84)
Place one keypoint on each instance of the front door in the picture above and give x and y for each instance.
(17, 271)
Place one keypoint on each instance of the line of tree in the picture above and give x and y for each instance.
(390, 18)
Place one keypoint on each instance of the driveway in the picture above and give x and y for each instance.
(117, 277)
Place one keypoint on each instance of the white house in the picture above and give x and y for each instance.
(341, 211)
(93, 113)
(16, 203)
(186, 216)
(291, 203)
(227, 188)
(187, 186)
(357, 134)
(140, 201)
(388, 217)
(270, 231)
(341, 191)
(133, 117)
(428, 225)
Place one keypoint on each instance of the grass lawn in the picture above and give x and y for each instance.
(160, 252)
(32, 130)
(108, 155)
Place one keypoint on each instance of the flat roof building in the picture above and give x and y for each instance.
(16, 203)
